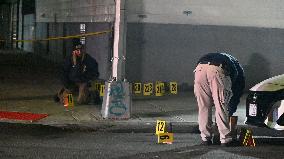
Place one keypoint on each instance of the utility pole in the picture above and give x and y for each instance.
(117, 100)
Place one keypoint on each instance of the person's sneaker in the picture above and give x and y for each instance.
(206, 143)
(232, 143)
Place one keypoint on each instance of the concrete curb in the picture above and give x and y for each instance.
(130, 127)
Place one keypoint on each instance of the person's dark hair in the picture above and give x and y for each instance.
(76, 42)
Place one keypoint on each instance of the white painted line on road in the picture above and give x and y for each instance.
(73, 115)
(135, 116)
(187, 151)
(268, 137)
(180, 118)
(94, 116)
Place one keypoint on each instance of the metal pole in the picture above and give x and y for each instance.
(117, 97)
(116, 41)
(119, 41)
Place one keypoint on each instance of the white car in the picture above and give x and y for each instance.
(265, 104)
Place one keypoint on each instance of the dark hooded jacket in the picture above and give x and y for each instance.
(83, 70)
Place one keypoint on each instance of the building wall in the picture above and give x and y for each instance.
(28, 32)
(98, 47)
(165, 38)
(20, 23)
(253, 13)
(170, 51)
(75, 11)
(5, 23)
(63, 18)
(169, 36)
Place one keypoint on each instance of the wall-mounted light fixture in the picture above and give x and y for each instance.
(42, 15)
(142, 15)
(187, 12)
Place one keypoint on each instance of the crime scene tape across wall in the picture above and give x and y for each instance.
(63, 37)
(158, 88)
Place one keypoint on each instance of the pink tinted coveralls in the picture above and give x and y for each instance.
(212, 88)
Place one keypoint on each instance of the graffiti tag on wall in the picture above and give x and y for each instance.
(117, 104)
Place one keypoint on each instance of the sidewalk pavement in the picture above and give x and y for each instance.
(180, 110)
(28, 83)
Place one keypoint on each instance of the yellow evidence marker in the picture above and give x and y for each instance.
(97, 86)
(102, 90)
(173, 87)
(68, 100)
(137, 88)
(166, 138)
(160, 126)
(159, 88)
(148, 89)
(248, 139)
(163, 137)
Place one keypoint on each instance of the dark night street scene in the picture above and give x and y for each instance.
(141, 79)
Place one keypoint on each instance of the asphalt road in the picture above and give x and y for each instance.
(18, 141)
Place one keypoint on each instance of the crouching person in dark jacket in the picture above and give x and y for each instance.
(79, 69)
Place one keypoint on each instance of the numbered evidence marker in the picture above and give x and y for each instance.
(148, 89)
(166, 138)
(163, 137)
(173, 87)
(97, 86)
(102, 90)
(160, 126)
(137, 88)
(160, 89)
(246, 138)
(68, 100)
